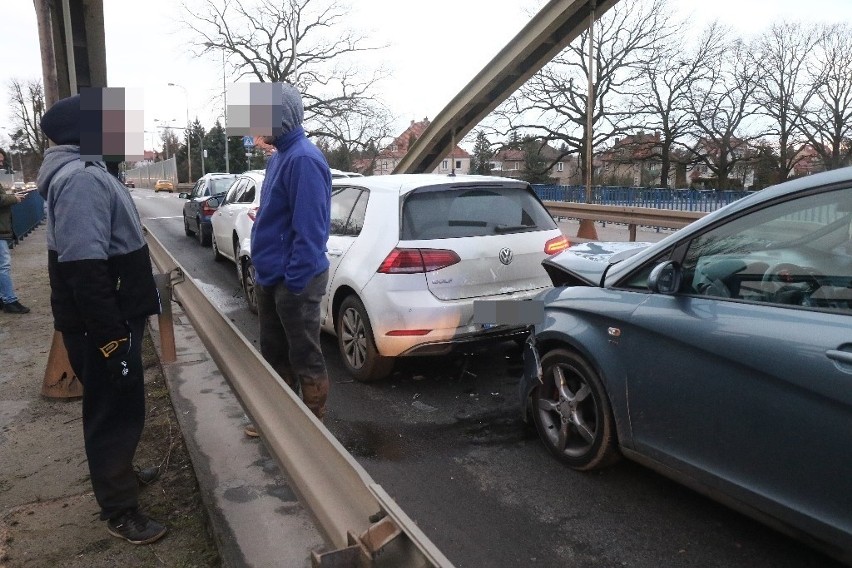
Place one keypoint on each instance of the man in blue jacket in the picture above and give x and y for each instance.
(288, 245)
(101, 291)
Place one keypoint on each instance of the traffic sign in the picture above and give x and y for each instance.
(248, 141)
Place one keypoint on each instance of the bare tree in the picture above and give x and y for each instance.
(784, 87)
(827, 122)
(302, 42)
(552, 105)
(27, 100)
(724, 109)
(662, 99)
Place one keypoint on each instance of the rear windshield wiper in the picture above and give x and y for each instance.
(513, 228)
(466, 223)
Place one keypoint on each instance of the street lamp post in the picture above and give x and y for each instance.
(224, 102)
(188, 138)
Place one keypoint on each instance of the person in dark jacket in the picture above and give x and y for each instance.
(8, 300)
(288, 245)
(102, 291)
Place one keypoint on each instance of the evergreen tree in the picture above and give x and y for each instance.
(480, 161)
(535, 166)
(215, 145)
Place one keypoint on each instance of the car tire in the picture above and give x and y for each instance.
(186, 228)
(355, 342)
(249, 283)
(217, 256)
(204, 234)
(574, 421)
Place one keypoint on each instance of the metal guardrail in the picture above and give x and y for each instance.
(354, 513)
(630, 216)
(654, 197)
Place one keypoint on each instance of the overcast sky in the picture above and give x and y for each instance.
(435, 47)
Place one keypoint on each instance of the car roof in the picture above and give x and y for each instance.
(405, 183)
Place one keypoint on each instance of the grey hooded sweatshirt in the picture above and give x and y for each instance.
(100, 269)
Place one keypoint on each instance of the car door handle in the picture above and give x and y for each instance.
(840, 356)
(335, 252)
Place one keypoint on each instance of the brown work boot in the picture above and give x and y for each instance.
(314, 394)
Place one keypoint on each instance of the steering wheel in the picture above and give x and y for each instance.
(786, 278)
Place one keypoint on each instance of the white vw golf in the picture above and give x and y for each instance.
(411, 253)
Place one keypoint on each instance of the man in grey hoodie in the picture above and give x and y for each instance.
(102, 290)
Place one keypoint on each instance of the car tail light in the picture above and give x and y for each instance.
(412, 261)
(252, 213)
(206, 209)
(556, 244)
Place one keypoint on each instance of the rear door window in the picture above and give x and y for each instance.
(342, 201)
(442, 213)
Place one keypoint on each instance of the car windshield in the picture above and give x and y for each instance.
(440, 213)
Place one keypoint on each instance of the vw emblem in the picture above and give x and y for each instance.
(506, 256)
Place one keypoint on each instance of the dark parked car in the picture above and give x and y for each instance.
(720, 356)
(197, 210)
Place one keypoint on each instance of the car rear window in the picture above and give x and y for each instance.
(440, 213)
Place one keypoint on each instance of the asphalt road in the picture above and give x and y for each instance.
(445, 437)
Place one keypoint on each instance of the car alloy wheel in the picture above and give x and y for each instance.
(249, 285)
(356, 345)
(572, 412)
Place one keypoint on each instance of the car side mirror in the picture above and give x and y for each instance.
(665, 278)
(183, 195)
(212, 202)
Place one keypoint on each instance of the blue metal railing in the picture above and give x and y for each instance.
(704, 200)
(27, 214)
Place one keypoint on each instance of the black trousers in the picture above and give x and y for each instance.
(290, 338)
(113, 418)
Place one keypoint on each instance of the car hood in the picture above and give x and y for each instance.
(585, 264)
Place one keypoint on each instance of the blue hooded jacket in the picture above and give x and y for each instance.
(288, 239)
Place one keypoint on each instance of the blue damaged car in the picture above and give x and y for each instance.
(720, 356)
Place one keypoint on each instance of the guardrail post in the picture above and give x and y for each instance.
(166, 321)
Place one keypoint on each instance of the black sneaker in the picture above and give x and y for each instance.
(136, 528)
(15, 308)
(147, 475)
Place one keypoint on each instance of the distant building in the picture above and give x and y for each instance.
(807, 162)
(633, 160)
(511, 162)
(700, 176)
(149, 157)
(458, 161)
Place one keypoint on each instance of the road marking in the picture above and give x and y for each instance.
(158, 218)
